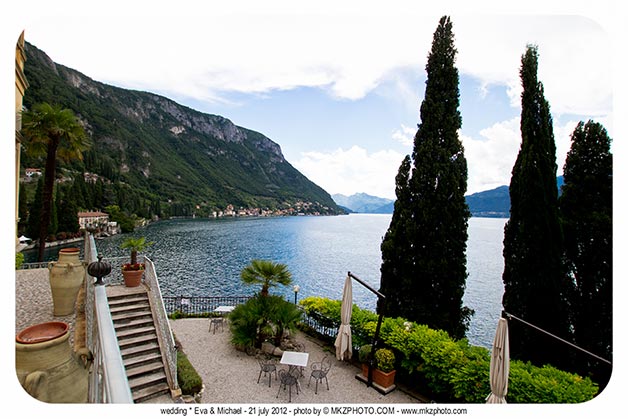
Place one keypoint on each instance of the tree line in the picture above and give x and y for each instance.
(557, 251)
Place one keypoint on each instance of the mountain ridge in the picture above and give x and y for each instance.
(492, 203)
(168, 151)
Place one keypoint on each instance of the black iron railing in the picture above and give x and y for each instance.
(200, 305)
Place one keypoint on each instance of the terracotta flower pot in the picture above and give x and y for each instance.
(132, 278)
(383, 379)
(46, 367)
(66, 278)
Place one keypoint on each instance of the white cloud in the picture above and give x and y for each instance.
(491, 158)
(352, 170)
(405, 135)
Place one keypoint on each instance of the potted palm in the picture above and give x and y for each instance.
(133, 271)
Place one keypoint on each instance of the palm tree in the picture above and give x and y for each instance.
(267, 273)
(136, 244)
(54, 132)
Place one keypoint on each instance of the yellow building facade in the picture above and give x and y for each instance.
(21, 84)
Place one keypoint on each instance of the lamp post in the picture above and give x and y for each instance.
(296, 290)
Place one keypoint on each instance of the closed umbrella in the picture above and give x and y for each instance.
(500, 364)
(343, 340)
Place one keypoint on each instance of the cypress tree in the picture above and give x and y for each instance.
(536, 288)
(424, 262)
(586, 209)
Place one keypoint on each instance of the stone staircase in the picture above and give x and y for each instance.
(139, 345)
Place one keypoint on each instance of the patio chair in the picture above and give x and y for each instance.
(267, 366)
(217, 321)
(319, 371)
(289, 379)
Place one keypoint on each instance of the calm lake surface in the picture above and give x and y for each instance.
(204, 257)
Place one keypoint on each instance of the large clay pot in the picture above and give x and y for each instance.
(46, 366)
(66, 277)
(132, 278)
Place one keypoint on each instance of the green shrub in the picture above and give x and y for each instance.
(262, 318)
(189, 381)
(19, 259)
(363, 353)
(453, 370)
(385, 360)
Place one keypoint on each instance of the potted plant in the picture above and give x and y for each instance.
(133, 271)
(384, 366)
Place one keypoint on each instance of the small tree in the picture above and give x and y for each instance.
(267, 273)
(136, 244)
(56, 133)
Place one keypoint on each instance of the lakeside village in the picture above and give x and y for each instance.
(100, 224)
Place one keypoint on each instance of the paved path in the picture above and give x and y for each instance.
(230, 376)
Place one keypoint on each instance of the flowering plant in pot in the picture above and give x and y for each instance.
(384, 368)
(133, 271)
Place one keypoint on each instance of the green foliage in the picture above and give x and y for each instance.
(455, 371)
(135, 244)
(262, 318)
(189, 380)
(267, 273)
(211, 163)
(385, 360)
(423, 252)
(19, 259)
(54, 132)
(536, 287)
(364, 352)
(586, 209)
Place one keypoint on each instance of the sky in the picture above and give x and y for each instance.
(339, 87)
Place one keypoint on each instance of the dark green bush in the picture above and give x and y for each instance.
(189, 380)
(262, 318)
(454, 370)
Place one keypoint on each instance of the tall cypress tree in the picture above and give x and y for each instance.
(586, 209)
(536, 288)
(424, 262)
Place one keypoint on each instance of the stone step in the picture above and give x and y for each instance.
(130, 316)
(143, 359)
(150, 392)
(137, 298)
(136, 294)
(135, 332)
(147, 380)
(132, 324)
(136, 341)
(139, 350)
(126, 308)
(147, 368)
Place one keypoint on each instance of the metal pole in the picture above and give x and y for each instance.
(379, 325)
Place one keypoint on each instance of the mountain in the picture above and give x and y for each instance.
(364, 203)
(494, 203)
(168, 152)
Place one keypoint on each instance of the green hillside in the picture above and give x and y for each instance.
(164, 151)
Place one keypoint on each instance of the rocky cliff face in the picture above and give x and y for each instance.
(166, 149)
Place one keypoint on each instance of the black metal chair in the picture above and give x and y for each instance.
(319, 371)
(267, 366)
(289, 379)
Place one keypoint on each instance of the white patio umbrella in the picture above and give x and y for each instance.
(500, 364)
(343, 340)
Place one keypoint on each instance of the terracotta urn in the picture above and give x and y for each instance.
(46, 367)
(66, 278)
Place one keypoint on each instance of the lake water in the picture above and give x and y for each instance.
(204, 257)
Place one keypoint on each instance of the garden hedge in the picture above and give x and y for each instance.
(454, 370)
